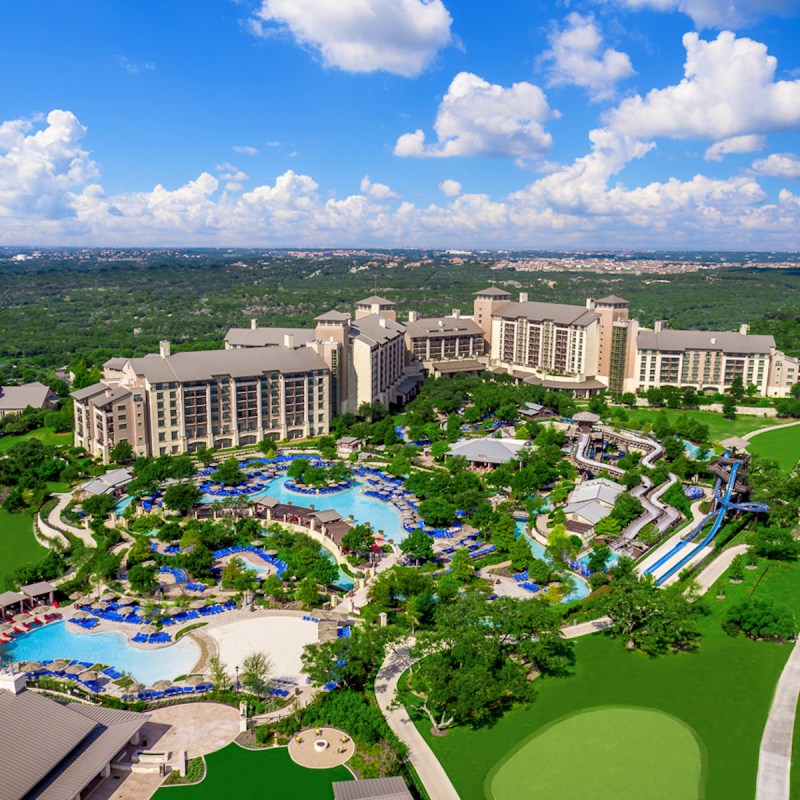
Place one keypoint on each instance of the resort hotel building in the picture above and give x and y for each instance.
(288, 383)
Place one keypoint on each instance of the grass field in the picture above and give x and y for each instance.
(46, 435)
(662, 759)
(17, 544)
(719, 427)
(723, 692)
(236, 773)
(783, 446)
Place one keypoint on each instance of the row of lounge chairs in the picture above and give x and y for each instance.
(195, 587)
(160, 637)
(490, 548)
(179, 574)
(174, 691)
(294, 487)
(87, 623)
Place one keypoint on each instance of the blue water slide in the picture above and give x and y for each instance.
(723, 509)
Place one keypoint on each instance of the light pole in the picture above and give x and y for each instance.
(237, 677)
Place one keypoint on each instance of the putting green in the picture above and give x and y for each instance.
(604, 754)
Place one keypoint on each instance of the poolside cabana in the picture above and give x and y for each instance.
(11, 603)
(586, 421)
(35, 592)
(735, 443)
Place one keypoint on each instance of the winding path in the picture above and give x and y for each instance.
(751, 434)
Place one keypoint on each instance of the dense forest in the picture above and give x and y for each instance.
(59, 308)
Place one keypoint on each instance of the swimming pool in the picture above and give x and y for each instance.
(382, 516)
(582, 588)
(55, 641)
(120, 507)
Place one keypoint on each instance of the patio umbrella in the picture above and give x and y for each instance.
(59, 663)
(32, 666)
(159, 686)
(271, 552)
(257, 542)
(194, 680)
(106, 596)
(80, 615)
(22, 617)
(197, 604)
(174, 610)
(5, 627)
(74, 669)
(148, 629)
(76, 596)
(41, 610)
(149, 563)
(135, 687)
(88, 675)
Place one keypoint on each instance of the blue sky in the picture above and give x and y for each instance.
(605, 123)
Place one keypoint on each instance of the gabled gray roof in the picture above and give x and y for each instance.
(91, 391)
(443, 326)
(601, 489)
(725, 341)
(333, 316)
(246, 362)
(40, 587)
(17, 398)
(590, 510)
(267, 337)
(375, 329)
(489, 451)
(375, 299)
(552, 312)
(494, 291)
(371, 789)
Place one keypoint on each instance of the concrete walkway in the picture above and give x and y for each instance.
(751, 434)
(715, 570)
(430, 771)
(775, 755)
(54, 519)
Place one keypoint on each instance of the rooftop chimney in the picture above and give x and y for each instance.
(441, 323)
(523, 297)
(744, 329)
(288, 340)
(456, 313)
(382, 322)
(163, 348)
(713, 340)
(590, 302)
(658, 325)
(253, 324)
(413, 316)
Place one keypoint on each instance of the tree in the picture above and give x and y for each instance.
(228, 472)
(142, 579)
(736, 569)
(437, 511)
(205, 455)
(350, 661)
(626, 509)
(609, 527)
(256, 670)
(737, 386)
(560, 544)
(598, 558)
(729, 407)
(307, 592)
(648, 618)
(122, 452)
(628, 399)
(267, 448)
(439, 450)
(399, 466)
(504, 533)
(182, 497)
(521, 554)
(99, 506)
(359, 541)
(461, 568)
(231, 571)
(417, 546)
(218, 672)
(273, 587)
(760, 618)
(778, 544)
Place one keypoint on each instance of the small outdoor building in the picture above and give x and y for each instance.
(735, 443)
(112, 482)
(8, 600)
(535, 411)
(586, 421)
(372, 789)
(487, 452)
(36, 592)
(348, 445)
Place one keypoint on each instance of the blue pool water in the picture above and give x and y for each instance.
(582, 588)
(382, 516)
(55, 641)
(120, 507)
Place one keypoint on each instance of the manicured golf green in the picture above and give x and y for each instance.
(17, 544)
(234, 773)
(782, 446)
(722, 691)
(661, 759)
(45, 435)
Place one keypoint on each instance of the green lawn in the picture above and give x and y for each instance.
(663, 759)
(723, 692)
(234, 773)
(783, 446)
(17, 544)
(46, 435)
(718, 426)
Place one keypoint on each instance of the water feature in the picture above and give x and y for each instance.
(122, 504)
(112, 648)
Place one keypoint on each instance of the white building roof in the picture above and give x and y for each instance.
(487, 451)
(591, 511)
(601, 489)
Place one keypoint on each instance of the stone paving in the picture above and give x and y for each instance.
(321, 748)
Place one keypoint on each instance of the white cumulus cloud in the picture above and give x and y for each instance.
(750, 143)
(397, 36)
(576, 57)
(245, 150)
(719, 13)
(450, 188)
(478, 118)
(728, 90)
(778, 165)
(378, 191)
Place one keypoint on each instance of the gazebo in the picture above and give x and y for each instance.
(735, 443)
(586, 421)
(9, 600)
(36, 591)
